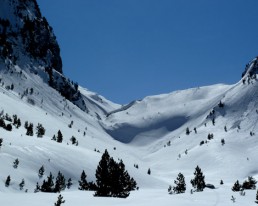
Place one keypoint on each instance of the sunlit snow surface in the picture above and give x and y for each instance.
(137, 133)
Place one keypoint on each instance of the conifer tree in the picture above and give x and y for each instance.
(112, 178)
(59, 138)
(60, 183)
(37, 189)
(149, 171)
(22, 184)
(48, 185)
(41, 171)
(102, 176)
(59, 200)
(187, 131)
(250, 183)
(83, 184)
(1, 142)
(236, 187)
(16, 163)
(69, 183)
(256, 197)
(198, 182)
(30, 130)
(180, 184)
(40, 130)
(7, 181)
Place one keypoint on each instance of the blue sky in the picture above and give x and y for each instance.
(129, 49)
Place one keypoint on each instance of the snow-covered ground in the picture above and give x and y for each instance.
(150, 133)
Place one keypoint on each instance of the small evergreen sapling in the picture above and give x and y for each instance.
(41, 171)
(1, 142)
(149, 171)
(59, 200)
(69, 183)
(16, 163)
(256, 197)
(59, 138)
(83, 184)
(7, 181)
(21, 185)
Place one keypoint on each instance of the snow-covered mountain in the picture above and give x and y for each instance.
(150, 133)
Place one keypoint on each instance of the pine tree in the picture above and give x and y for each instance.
(41, 171)
(22, 184)
(236, 187)
(83, 184)
(102, 176)
(149, 172)
(69, 183)
(26, 125)
(250, 183)
(59, 200)
(7, 181)
(112, 178)
(187, 131)
(40, 130)
(59, 138)
(60, 183)
(30, 130)
(256, 197)
(37, 189)
(180, 184)
(16, 163)
(198, 182)
(1, 142)
(73, 140)
(48, 185)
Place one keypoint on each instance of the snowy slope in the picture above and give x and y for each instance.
(154, 122)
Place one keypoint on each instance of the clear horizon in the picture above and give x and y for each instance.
(126, 50)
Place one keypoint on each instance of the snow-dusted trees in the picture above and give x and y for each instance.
(40, 130)
(236, 187)
(180, 185)
(83, 184)
(29, 130)
(16, 163)
(249, 184)
(59, 200)
(198, 182)
(112, 179)
(60, 183)
(59, 137)
(41, 171)
(49, 186)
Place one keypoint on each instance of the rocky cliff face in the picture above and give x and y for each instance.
(28, 41)
(24, 32)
